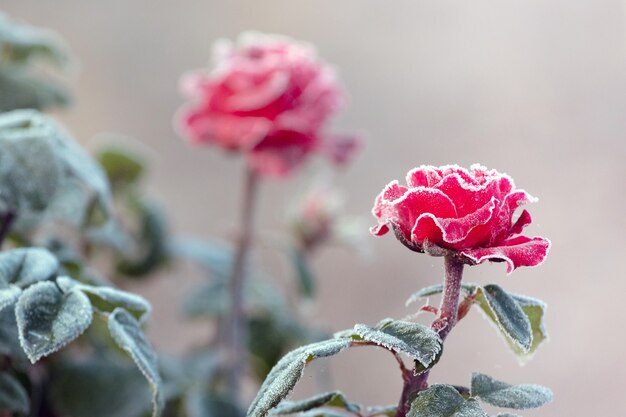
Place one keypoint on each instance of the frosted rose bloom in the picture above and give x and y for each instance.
(268, 97)
(470, 212)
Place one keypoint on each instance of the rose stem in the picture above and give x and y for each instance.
(7, 222)
(443, 324)
(236, 327)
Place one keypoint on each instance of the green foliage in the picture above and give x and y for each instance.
(48, 318)
(42, 168)
(107, 299)
(503, 310)
(201, 403)
(127, 333)
(13, 396)
(444, 401)
(504, 395)
(99, 386)
(123, 169)
(534, 310)
(417, 341)
(437, 289)
(286, 373)
(329, 399)
(20, 46)
(22, 267)
(384, 410)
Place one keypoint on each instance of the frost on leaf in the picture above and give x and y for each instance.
(505, 395)
(444, 401)
(48, 319)
(107, 299)
(436, 289)
(26, 266)
(285, 374)
(504, 310)
(126, 332)
(415, 340)
(327, 399)
(43, 168)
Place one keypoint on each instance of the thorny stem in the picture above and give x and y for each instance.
(443, 324)
(236, 328)
(7, 222)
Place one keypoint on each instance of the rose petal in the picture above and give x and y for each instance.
(524, 220)
(455, 232)
(423, 176)
(280, 153)
(517, 251)
(341, 148)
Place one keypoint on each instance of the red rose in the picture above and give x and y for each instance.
(470, 212)
(268, 97)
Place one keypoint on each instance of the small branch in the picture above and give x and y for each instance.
(7, 222)
(236, 327)
(443, 324)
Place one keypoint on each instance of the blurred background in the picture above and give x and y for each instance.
(532, 88)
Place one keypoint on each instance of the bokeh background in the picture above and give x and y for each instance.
(533, 88)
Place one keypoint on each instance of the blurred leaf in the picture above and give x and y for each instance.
(213, 255)
(501, 394)
(207, 300)
(152, 242)
(25, 266)
(122, 167)
(270, 337)
(13, 396)
(286, 373)
(444, 401)
(49, 170)
(200, 403)
(48, 319)
(22, 90)
(333, 398)
(125, 330)
(506, 313)
(417, 341)
(20, 43)
(107, 299)
(304, 275)
(10, 341)
(101, 386)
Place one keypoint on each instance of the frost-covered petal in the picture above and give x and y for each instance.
(340, 148)
(523, 220)
(456, 231)
(423, 176)
(517, 251)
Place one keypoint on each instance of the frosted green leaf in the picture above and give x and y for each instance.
(107, 299)
(505, 395)
(444, 401)
(77, 188)
(436, 289)
(10, 340)
(507, 314)
(286, 373)
(535, 311)
(382, 410)
(417, 341)
(48, 319)
(100, 386)
(324, 412)
(26, 266)
(506, 415)
(332, 399)
(8, 295)
(209, 299)
(13, 396)
(126, 332)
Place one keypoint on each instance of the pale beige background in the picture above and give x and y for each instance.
(534, 88)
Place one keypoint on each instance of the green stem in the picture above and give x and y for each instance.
(236, 326)
(443, 324)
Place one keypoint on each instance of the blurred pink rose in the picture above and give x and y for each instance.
(466, 211)
(268, 97)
